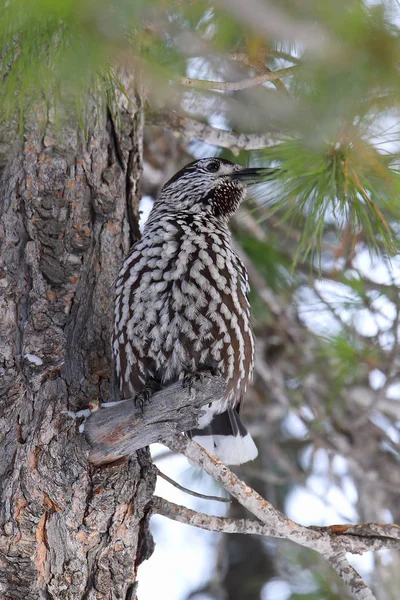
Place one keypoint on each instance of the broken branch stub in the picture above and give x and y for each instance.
(120, 430)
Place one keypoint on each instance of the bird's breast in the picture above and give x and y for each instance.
(181, 301)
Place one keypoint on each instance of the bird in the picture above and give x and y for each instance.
(181, 304)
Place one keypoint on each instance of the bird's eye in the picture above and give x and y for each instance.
(212, 166)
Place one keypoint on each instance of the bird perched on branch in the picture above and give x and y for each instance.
(181, 301)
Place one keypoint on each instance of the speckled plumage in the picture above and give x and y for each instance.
(181, 295)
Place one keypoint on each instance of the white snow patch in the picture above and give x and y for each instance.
(34, 359)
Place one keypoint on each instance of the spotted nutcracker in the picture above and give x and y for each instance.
(181, 300)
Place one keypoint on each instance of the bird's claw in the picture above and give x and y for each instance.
(142, 397)
(191, 377)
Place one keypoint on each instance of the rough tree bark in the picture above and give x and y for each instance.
(68, 530)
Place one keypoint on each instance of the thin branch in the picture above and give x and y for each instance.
(193, 129)
(233, 86)
(381, 535)
(363, 537)
(181, 514)
(121, 429)
(279, 525)
(250, 62)
(236, 56)
(191, 492)
(259, 66)
(285, 55)
(348, 573)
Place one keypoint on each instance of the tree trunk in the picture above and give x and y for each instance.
(67, 530)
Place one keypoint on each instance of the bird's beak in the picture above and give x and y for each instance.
(254, 175)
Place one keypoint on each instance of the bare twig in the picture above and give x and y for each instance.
(193, 129)
(269, 75)
(278, 524)
(191, 492)
(123, 428)
(365, 537)
(250, 62)
(348, 573)
(260, 67)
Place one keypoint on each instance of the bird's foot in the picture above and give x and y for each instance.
(190, 377)
(151, 386)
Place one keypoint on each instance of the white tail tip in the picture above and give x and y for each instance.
(230, 449)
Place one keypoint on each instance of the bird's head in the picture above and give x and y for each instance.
(213, 186)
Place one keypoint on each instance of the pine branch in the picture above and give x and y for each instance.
(202, 84)
(261, 68)
(278, 524)
(356, 539)
(120, 430)
(193, 129)
(191, 492)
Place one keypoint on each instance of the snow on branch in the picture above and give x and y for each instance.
(123, 428)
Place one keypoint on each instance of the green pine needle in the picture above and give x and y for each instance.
(346, 184)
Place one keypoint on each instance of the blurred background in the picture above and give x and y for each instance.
(314, 88)
(321, 248)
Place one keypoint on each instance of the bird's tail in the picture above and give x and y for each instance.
(227, 438)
